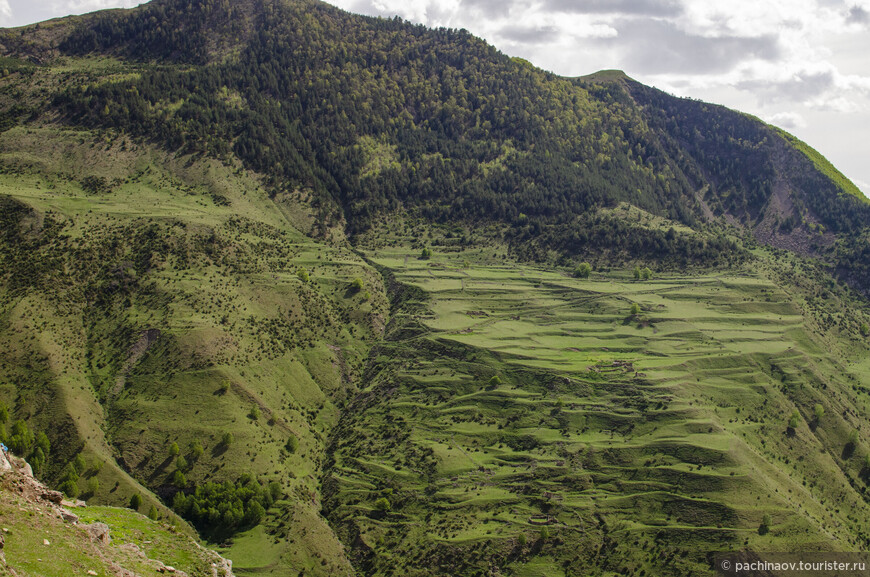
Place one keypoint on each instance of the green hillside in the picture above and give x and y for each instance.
(46, 537)
(309, 285)
(169, 308)
(514, 400)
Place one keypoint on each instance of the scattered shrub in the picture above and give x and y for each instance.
(181, 463)
(178, 479)
(292, 444)
(79, 464)
(583, 270)
(227, 439)
(69, 488)
(136, 501)
(196, 450)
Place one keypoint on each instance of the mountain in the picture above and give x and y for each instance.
(310, 284)
(373, 114)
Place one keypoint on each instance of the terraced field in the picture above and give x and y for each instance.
(520, 420)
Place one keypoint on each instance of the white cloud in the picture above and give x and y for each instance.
(82, 6)
(864, 186)
(5, 12)
(788, 120)
(21, 12)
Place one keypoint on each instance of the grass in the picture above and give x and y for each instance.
(202, 256)
(37, 542)
(823, 165)
(665, 429)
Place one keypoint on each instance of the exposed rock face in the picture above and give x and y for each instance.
(9, 463)
(55, 497)
(99, 532)
(221, 567)
(19, 479)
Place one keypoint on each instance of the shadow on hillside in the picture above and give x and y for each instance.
(848, 451)
(161, 468)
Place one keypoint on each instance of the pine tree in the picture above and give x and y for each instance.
(136, 501)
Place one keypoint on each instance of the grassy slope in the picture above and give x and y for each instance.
(823, 165)
(221, 287)
(39, 543)
(649, 440)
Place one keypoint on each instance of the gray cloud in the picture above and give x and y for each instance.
(660, 47)
(529, 34)
(802, 87)
(659, 8)
(490, 8)
(857, 15)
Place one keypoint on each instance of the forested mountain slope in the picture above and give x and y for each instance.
(375, 114)
(305, 282)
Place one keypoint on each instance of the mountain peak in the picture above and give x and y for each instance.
(610, 75)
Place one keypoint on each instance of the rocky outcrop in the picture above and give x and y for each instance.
(99, 532)
(16, 479)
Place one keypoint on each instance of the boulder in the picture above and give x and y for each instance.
(99, 532)
(55, 497)
(25, 469)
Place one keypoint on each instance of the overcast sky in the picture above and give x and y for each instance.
(799, 64)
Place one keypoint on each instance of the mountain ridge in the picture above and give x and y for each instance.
(685, 171)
